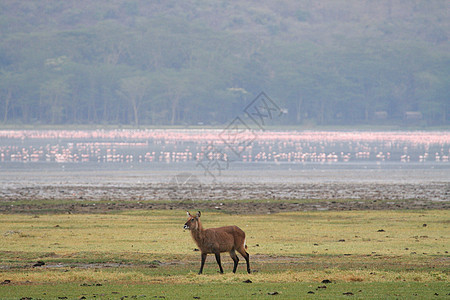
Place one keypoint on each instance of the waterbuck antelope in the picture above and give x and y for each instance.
(216, 240)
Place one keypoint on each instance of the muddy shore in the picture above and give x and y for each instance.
(235, 191)
(232, 198)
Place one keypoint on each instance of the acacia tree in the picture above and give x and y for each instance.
(6, 88)
(54, 94)
(134, 90)
(175, 85)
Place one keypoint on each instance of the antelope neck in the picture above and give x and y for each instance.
(197, 232)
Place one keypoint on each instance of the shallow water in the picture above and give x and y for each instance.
(162, 164)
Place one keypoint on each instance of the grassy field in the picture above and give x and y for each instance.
(146, 254)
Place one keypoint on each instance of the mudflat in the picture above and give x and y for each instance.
(261, 189)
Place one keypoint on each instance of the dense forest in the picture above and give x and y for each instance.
(332, 62)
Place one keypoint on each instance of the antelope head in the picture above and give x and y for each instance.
(192, 222)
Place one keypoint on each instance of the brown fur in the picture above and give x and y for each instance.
(217, 240)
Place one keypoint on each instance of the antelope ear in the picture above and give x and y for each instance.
(188, 214)
(199, 214)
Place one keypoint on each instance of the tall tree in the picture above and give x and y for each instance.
(54, 96)
(135, 90)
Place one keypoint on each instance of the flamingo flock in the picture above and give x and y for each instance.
(177, 146)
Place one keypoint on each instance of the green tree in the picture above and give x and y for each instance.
(7, 85)
(54, 97)
(135, 90)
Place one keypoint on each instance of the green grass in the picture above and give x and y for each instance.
(160, 232)
(378, 254)
(238, 290)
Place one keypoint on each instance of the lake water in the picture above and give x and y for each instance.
(211, 155)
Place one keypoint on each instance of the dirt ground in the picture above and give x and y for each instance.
(235, 208)
(231, 198)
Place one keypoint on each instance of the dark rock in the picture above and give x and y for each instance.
(39, 263)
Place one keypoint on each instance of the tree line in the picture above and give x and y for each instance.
(171, 63)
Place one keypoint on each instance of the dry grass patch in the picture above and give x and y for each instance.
(139, 276)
